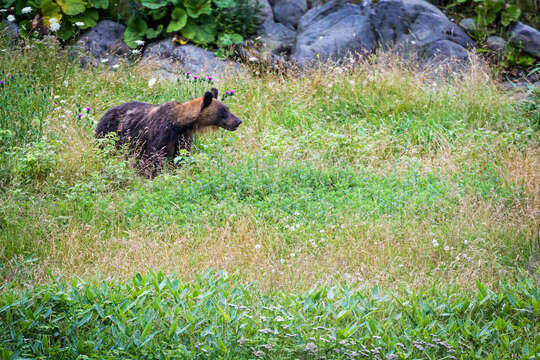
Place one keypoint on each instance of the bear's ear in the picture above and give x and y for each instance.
(207, 99)
(214, 92)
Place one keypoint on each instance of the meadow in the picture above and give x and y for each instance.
(365, 209)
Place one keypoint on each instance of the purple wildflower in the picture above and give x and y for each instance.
(2, 82)
(195, 77)
(88, 108)
(210, 78)
(231, 92)
(79, 116)
(188, 73)
(227, 92)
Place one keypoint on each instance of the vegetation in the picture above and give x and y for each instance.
(345, 195)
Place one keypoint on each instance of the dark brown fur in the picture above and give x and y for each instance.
(157, 132)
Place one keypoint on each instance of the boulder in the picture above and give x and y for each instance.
(468, 24)
(289, 12)
(276, 38)
(415, 25)
(11, 29)
(332, 31)
(266, 10)
(496, 43)
(527, 37)
(105, 41)
(176, 59)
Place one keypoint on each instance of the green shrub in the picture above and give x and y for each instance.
(65, 18)
(203, 22)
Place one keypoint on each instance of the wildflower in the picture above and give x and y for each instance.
(79, 24)
(151, 82)
(195, 77)
(66, 83)
(136, 52)
(2, 82)
(231, 92)
(210, 78)
(26, 10)
(435, 243)
(139, 42)
(11, 18)
(258, 246)
(79, 116)
(253, 59)
(465, 242)
(115, 66)
(447, 248)
(292, 255)
(413, 42)
(188, 73)
(103, 61)
(88, 108)
(55, 26)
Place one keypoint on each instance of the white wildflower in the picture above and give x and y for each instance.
(151, 82)
(115, 66)
(54, 27)
(11, 18)
(79, 24)
(136, 52)
(253, 59)
(435, 243)
(26, 10)
(465, 242)
(53, 20)
(292, 255)
(139, 42)
(66, 83)
(258, 246)
(103, 61)
(413, 42)
(447, 248)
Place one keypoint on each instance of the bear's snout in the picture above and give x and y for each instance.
(232, 123)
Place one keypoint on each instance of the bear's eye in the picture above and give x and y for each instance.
(222, 113)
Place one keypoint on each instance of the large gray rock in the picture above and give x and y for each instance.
(468, 24)
(408, 26)
(266, 10)
(332, 31)
(403, 23)
(289, 12)
(11, 29)
(177, 59)
(276, 37)
(496, 43)
(527, 37)
(105, 40)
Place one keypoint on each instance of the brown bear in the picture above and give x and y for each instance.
(156, 132)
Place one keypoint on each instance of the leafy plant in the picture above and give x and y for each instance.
(203, 22)
(70, 15)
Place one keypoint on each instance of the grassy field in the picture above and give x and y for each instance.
(344, 180)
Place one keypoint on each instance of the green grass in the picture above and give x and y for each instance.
(339, 182)
(157, 316)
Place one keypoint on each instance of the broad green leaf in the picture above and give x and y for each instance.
(89, 18)
(158, 14)
(202, 31)
(66, 31)
(196, 8)
(178, 20)
(135, 30)
(154, 4)
(154, 33)
(100, 4)
(510, 15)
(50, 10)
(72, 7)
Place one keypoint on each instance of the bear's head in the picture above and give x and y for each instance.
(215, 113)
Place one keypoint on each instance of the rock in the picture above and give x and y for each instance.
(11, 29)
(403, 23)
(332, 31)
(267, 11)
(289, 12)
(276, 38)
(443, 50)
(527, 37)
(177, 59)
(468, 24)
(105, 41)
(496, 43)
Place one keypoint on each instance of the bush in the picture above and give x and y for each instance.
(203, 22)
